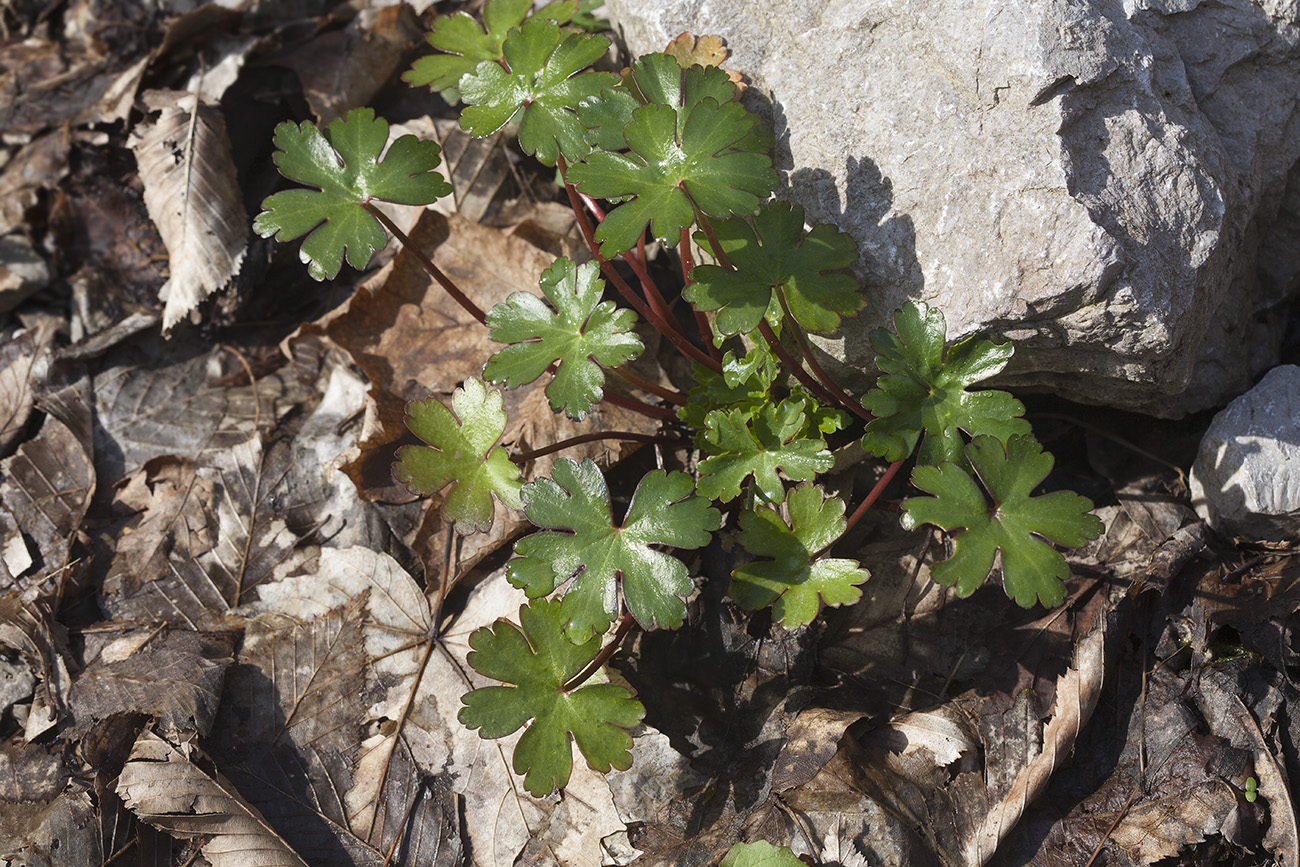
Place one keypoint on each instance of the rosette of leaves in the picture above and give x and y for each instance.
(462, 452)
(686, 152)
(343, 164)
(467, 43)
(581, 335)
(759, 443)
(536, 661)
(923, 391)
(777, 267)
(606, 561)
(537, 84)
(1017, 524)
(794, 580)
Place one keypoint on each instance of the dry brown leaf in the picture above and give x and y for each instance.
(193, 196)
(23, 363)
(48, 483)
(56, 833)
(153, 400)
(175, 679)
(35, 169)
(688, 50)
(162, 785)
(28, 626)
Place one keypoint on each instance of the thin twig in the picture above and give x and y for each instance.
(873, 495)
(434, 271)
(805, 378)
(671, 395)
(611, 273)
(701, 318)
(597, 436)
(624, 627)
(252, 383)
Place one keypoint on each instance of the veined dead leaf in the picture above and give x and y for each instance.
(193, 197)
(162, 785)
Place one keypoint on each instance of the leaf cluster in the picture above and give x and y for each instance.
(668, 145)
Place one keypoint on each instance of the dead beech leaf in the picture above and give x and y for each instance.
(28, 626)
(48, 483)
(244, 542)
(175, 678)
(23, 361)
(153, 399)
(193, 197)
(162, 785)
(53, 833)
(37, 167)
(688, 50)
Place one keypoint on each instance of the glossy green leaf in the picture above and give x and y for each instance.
(581, 334)
(1017, 524)
(760, 443)
(760, 854)
(924, 391)
(462, 452)
(468, 43)
(537, 661)
(607, 561)
(775, 260)
(539, 87)
(793, 581)
(343, 164)
(678, 162)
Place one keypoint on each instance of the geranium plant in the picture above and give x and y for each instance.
(675, 156)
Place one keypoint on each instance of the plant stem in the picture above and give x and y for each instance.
(671, 395)
(624, 627)
(434, 271)
(713, 241)
(652, 294)
(842, 397)
(701, 320)
(660, 412)
(793, 366)
(683, 345)
(625, 435)
(873, 495)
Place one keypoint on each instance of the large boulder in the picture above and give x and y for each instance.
(1113, 185)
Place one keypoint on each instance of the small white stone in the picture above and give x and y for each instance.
(1246, 479)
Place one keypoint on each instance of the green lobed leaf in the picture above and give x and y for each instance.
(538, 660)
(603, 558)
(462, 452)
(679, 161)
(540, 87)
(760, 854)
(759, 443)
(468, 43)
(794, 582)
(1017, 524)
(924, 391)
(582, 335)
(773, 261)
(343, 164)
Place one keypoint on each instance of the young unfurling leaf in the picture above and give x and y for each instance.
(468, 44)
(343, 164)
(773, 261)
(538, 660)
(793, 582)
(539, 87)
(1018, 525)
(759, 443)
(582, 334)
(602, 557)
(463, 453)
(924, 391)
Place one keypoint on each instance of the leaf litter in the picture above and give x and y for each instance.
(227, 635)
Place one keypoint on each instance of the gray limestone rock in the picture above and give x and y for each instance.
(1246, 479)
(1112, 184)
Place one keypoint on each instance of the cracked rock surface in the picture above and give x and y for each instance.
(1113, 185)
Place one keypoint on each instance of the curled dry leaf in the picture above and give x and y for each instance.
(23, 361)
(193, 197)
(164, 787)
(28, 626)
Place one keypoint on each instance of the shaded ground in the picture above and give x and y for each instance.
(216, 607)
